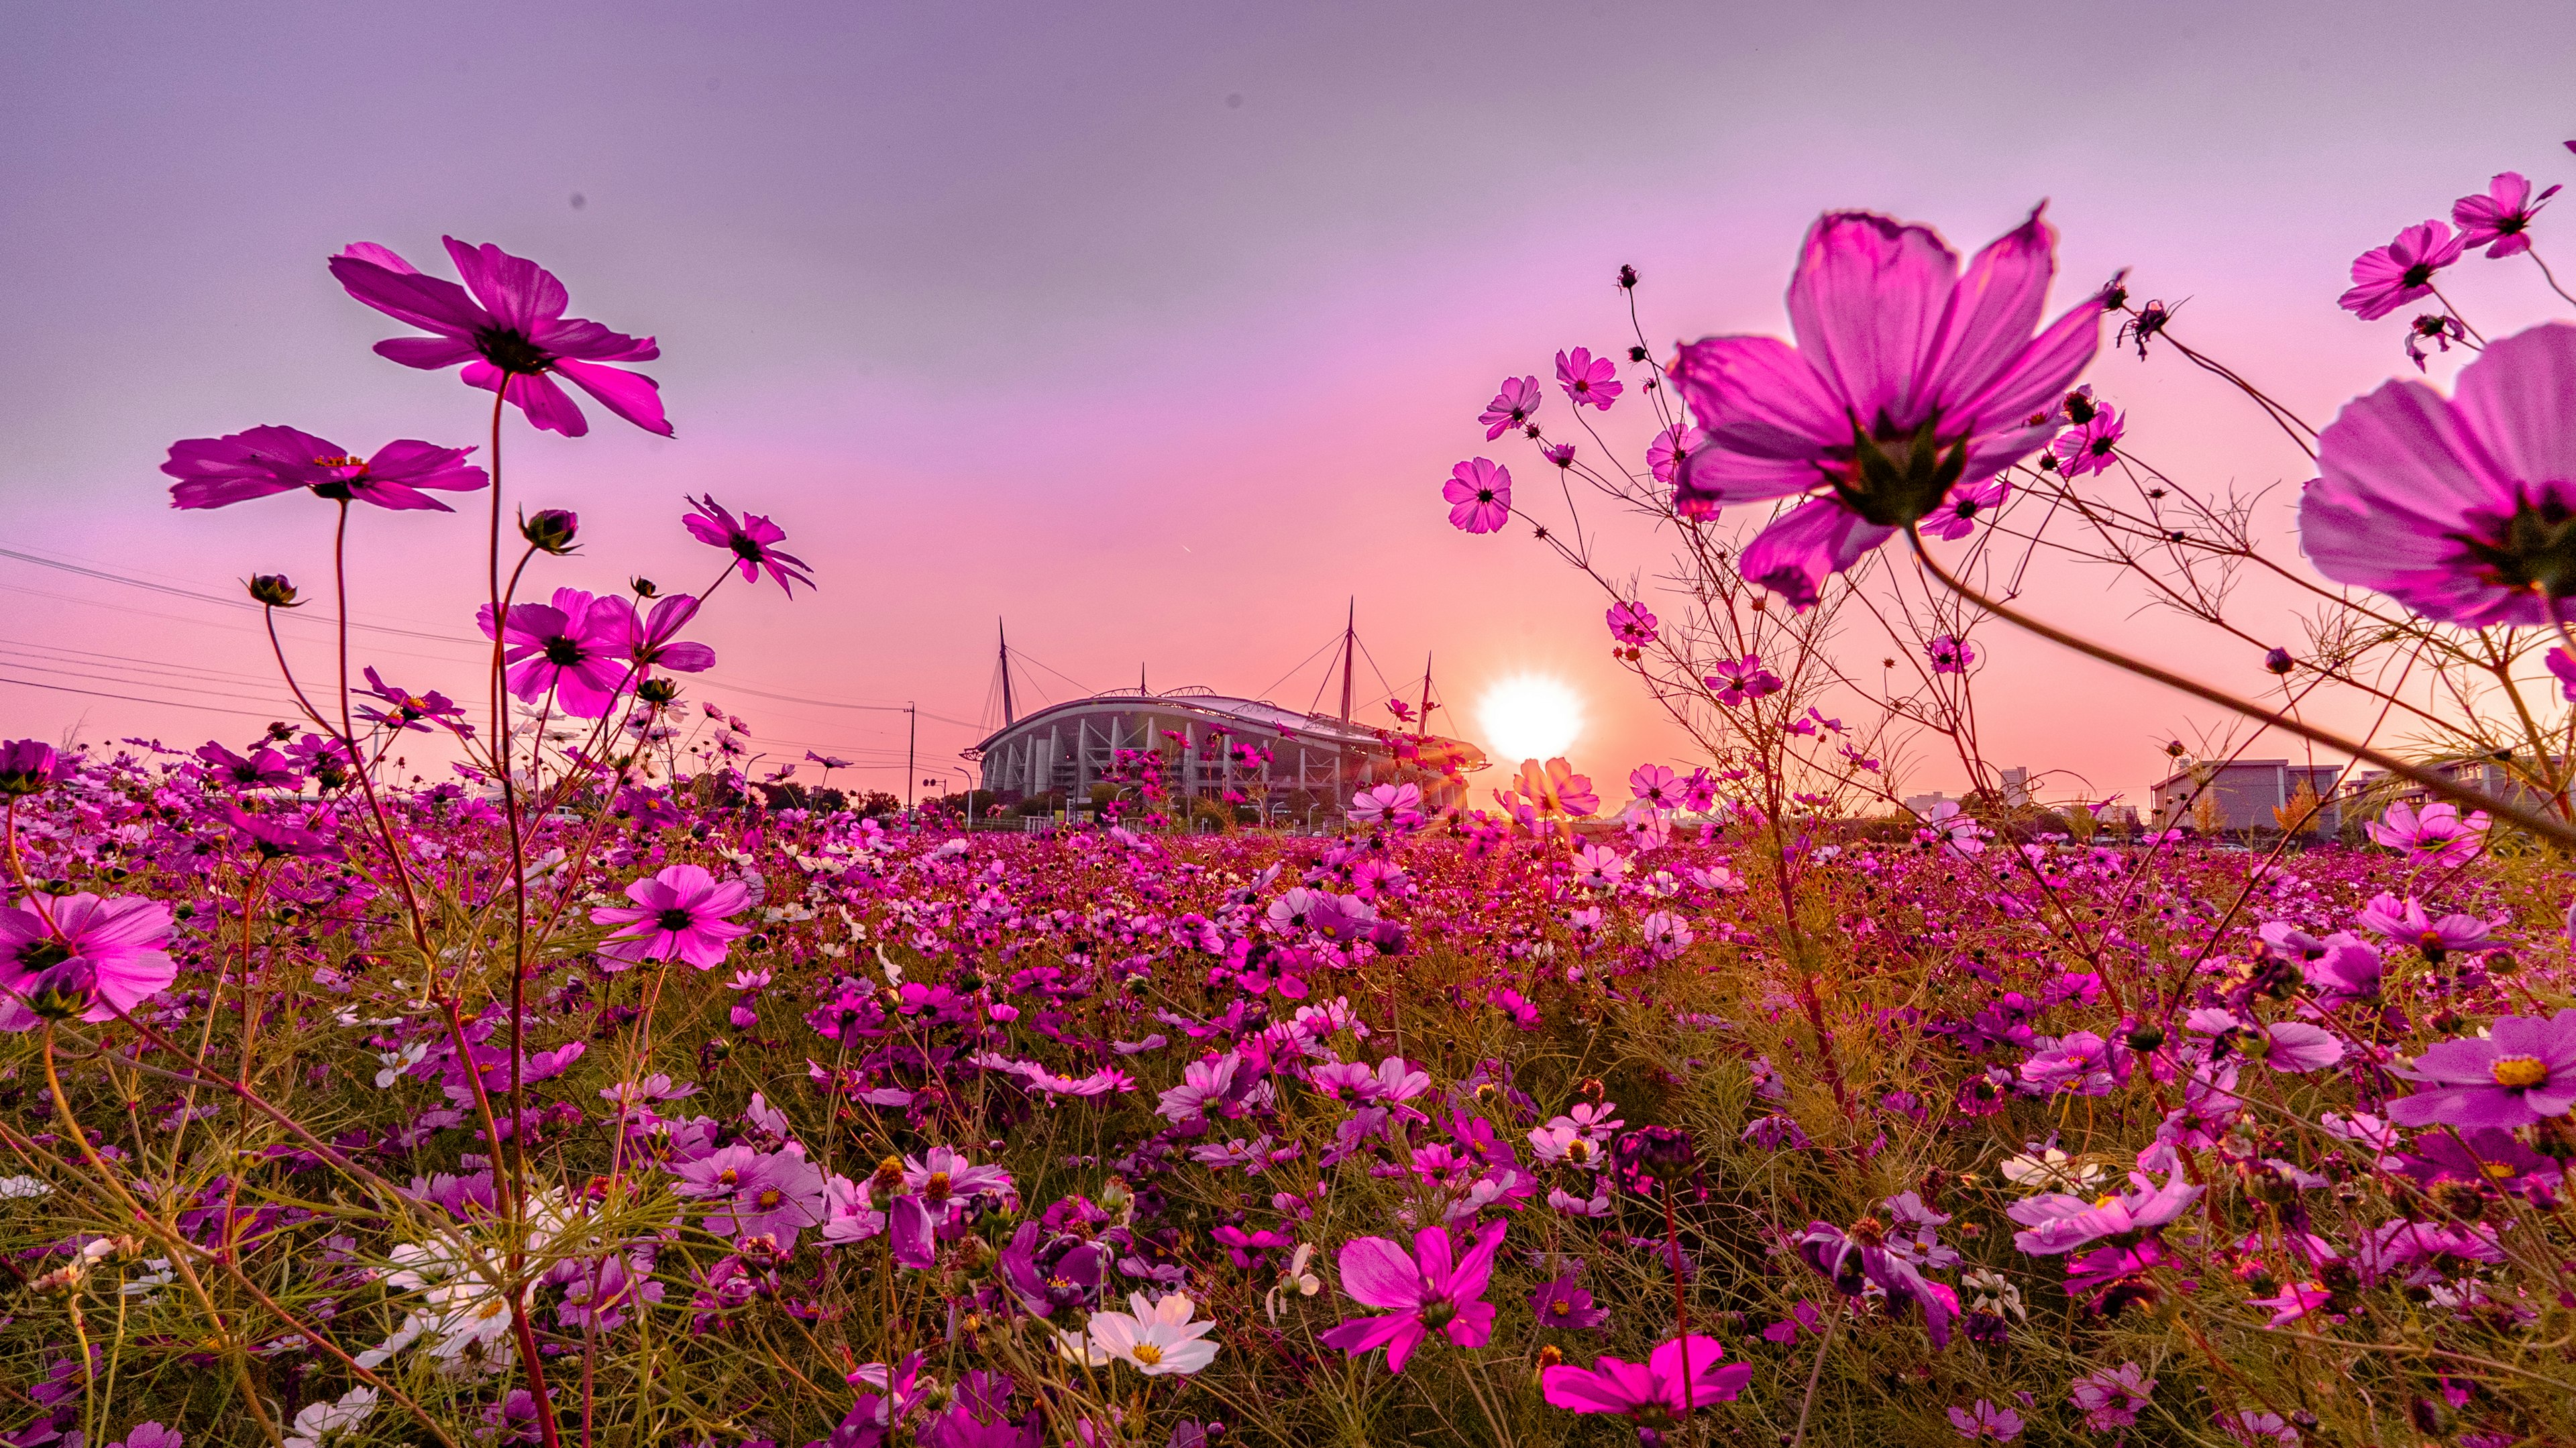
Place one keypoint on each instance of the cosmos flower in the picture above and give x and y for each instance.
(215, 471)
(2522, 1071)
(1157, 1339)
(1681, 1374)
(1656, 786)
(2112, 1397)
(1588, 379)
(945, 1181)
(1398, 805)
(1427, 1290)
(260, 769)
(650, 643)
(755, 1193)
(1949, 654)
(277, 840)
(1480, 496)
(2433, 835)
(2091, 447)
(574, 647)
(1956, 517)
(1561, 1302)
(1907, 376)
(510, 332)
(1868, 1253)
(27, 766)
(1666, 452)
(409, 710)
(2407, 920)
(681, 913)
(2054, 1222)
(748, 539)
(1985, 1420)
(2388, 277)
(1739, 681)
(2500, 220)
(2463, 509)
(1512, 407)
(1631, 624)
(114, 947)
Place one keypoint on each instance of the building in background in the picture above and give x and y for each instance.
(1211, 745)
(2248, 794)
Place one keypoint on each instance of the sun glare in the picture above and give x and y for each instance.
(1529, 716)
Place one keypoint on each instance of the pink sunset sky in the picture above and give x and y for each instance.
(1151, 330)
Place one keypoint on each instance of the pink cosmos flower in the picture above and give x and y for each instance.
(1906, 377)
(2562, 667)
(510, 333)
(2406, 919)
(1985, 1420)
(776, 1194)
(409, 710)
(1956, 517)
(2522, 1071)
(576, 647)
(262, 769)
(2433, 835)
(1631, 624)
(1950, 655)
(1655, 786)
(1666, 452)
(1512, 407)
(2112, 1397)
(108, 951)
(648, 641)
(945, 1181)
(2056, 1222)
(1399, 805)
(1426, 1291)
(2388, 277)
(1588, 379)
(1739, 680)
(749, 540)
(1480, 496)
(1681, 1374)
(2500, 220)
(2090, 447)
(681, 913)
(215, 471)
(2462, 509)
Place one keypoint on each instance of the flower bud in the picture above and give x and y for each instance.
(2146, 1038)
(2277, 660)
(658, 691)
(644, 588)
(273, 590)
(1627, 277)
(550, 531)
(27, 765)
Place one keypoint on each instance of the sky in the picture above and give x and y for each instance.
(1150, 331)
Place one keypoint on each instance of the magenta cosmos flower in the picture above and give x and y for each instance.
(2433, 835)
(1907, 377)
(1480, 496)
(113, 947)
(1588, 379)
(1677, 1377)
(2385, 278)
(1631, 624)
(507, 325)
(749, 540)
(681, 914)
(1428, 1291)
(2462, 509)
(776, 1194)
(215, 471)
(577, 647)
(1512, 407)
(2523, 1070)
(2500, 220)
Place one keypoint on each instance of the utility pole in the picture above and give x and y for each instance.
(1010, 712)
(1350, 642)
(1426, 695)
(911, 732)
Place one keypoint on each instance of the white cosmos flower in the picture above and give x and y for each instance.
(322, 1423)
(1158, 1338)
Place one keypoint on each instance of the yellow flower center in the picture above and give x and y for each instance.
(1148, 1354)
(2519, 1073)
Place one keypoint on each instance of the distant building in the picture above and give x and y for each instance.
(1922, 804)
(1202, 739)
(2243, 794)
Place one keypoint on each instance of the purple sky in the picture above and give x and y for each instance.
(1153, 330)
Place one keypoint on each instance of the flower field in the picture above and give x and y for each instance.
(591, 1090)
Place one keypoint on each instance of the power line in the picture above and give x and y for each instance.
(137, 699)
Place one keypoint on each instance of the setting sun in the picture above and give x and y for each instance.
(1529, 716)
